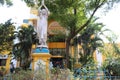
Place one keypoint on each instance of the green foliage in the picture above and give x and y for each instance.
(61, 74)
(57, 38)
(112, 65)
(54, 74)
(7, 2)
(112, 40)
(29, 2)
(67, 13)
(70, 13)
(90, 40)
(22, 75)
(6, 36)
(111, 51)
(41, 70)
(88, 71)
(2, 71)
(22, 50)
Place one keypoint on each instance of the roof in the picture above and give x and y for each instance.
(54, 28)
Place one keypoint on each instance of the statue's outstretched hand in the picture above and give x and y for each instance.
(43, 5)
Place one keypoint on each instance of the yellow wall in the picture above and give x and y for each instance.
(56, 45)
(7, 66)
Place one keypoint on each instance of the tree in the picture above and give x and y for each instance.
(112, 40)
(7, 2)
(6, 36)
(111, 53)
(112, 59)
(90, 40)
(22, 50)
(74, 15)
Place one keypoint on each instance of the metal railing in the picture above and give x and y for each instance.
(93, 75)
(100, 77)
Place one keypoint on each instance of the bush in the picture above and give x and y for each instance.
(112, 66)
(60, 74)
(22, 75)
(2, 71)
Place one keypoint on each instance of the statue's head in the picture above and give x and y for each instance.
(43, 12)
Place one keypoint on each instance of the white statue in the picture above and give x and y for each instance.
(42, 24)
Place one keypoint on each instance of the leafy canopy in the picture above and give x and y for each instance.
(6, 36)
(90, 40)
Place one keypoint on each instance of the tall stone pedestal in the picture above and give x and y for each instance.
(43, 56)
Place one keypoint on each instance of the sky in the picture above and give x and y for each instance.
(17, 12)
(111, 20)
(20, 11)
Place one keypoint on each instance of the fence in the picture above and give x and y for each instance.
(81, 74)
(100, 77)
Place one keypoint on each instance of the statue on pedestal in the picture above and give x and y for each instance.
(41, 54)
(42, 24)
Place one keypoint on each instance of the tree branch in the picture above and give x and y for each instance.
(88, 21)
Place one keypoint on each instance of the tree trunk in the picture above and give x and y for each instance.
(67, 52)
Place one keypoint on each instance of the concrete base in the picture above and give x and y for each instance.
(44, 58)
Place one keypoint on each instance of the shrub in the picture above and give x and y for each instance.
(21, 75)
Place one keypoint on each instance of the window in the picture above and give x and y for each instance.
(58, 51)
(2, 62)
